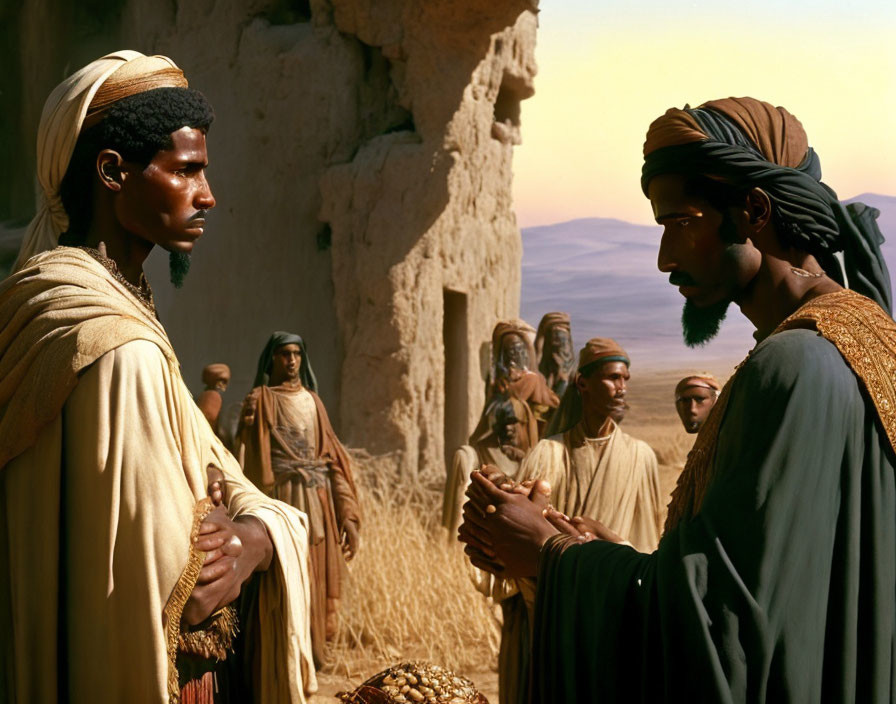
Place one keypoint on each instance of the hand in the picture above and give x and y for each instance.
(537, 490)
(582, 529)
(216, 485)
(481, 553)
(234, 550)
(351, 540)
(592, 529)
(496, 477)
(505, 530)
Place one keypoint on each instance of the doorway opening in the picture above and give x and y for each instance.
(454, 338)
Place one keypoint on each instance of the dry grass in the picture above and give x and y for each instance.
(409, 595)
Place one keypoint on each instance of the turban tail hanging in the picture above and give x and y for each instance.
(748, 143)
(85, 95)
(278, 339)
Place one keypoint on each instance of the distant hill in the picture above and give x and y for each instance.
(603, 272)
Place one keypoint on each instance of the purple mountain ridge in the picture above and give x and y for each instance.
(603, 272)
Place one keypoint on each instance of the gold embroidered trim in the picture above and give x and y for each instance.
(174, 609)
(866, 338)
(213, 641)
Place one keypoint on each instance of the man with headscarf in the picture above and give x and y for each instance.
(695, 395)
(508, 427)
(554, 352)
(511, 374)
(118, 575)
(595, 470)
(505, 434)
(774, 579)
(216, 378)
(290, 450)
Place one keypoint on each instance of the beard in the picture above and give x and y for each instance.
(178, 267)
(700, 325)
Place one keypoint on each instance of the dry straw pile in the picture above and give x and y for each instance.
(409, 594)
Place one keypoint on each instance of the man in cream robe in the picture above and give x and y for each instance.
(595, 470)
(103, 483)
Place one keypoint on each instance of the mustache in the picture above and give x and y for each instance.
(198, 215)
(679, 278)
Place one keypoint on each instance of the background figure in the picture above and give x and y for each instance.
(290, 451)
(555, 357)
(695, 395)
(506, 432)
(505, 435)
(513, 361)
(595, 470)
(216, 378)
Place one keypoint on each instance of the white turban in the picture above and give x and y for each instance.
(60, 125)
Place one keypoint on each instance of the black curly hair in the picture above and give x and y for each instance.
(722, 195)
(137, 127)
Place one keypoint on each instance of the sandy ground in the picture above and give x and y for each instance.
(410, 596)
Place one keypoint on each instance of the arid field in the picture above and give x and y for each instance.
(409, 595)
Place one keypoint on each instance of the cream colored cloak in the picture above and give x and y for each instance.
(98, 499)
(613, 479)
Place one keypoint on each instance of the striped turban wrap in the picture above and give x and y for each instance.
(748, 143)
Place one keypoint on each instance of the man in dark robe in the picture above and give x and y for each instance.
(775, 579)
(290, 451)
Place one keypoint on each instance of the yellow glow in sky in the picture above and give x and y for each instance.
(601, 83)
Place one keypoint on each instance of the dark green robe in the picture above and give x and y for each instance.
(781, 589)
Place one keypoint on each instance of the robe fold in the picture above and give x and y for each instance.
(97, 503)
(779, 588)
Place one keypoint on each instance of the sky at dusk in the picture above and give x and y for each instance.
(607, 69)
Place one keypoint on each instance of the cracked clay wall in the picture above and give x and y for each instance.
(361, 160)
